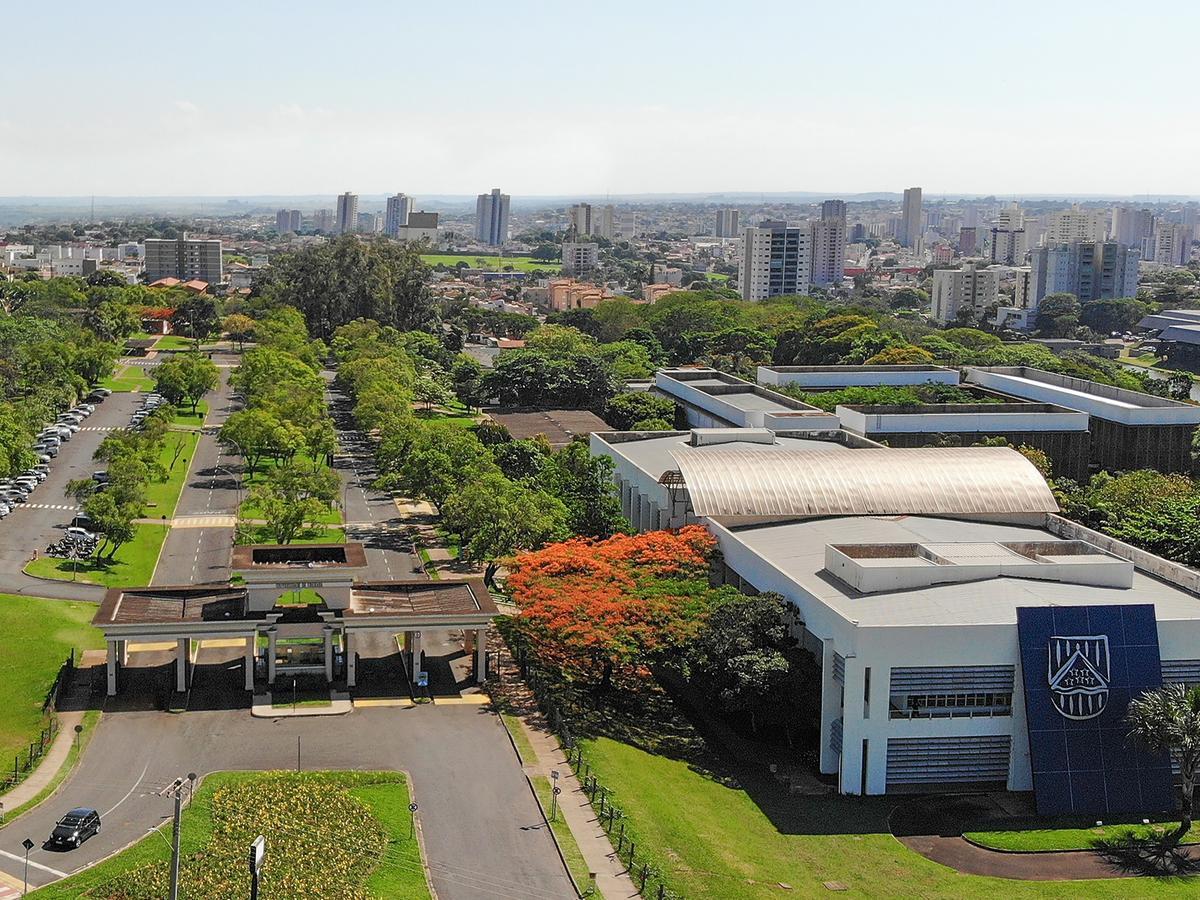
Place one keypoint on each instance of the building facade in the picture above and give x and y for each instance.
(593, 221)
(579, 258)
(776, 260)
(347, 213)
(1091, 271)
(491, 218)
(185, 259)
(1075, 226)
(1172, 244)
(969, 288)
(909, 232)
(287, 220)
(727, 223)
(828, 243)
(1008, 238)
(395, 214)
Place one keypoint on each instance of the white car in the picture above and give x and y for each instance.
(80, 533)
(5, 509)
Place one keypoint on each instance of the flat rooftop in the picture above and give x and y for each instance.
(797, 551)
(1100, 400)
(559, 426)
(653, 454)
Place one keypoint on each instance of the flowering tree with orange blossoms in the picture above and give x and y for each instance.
(604, 611)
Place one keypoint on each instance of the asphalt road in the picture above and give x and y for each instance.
(194, 555)
(371, 515)
(483, 832)
(43, 519)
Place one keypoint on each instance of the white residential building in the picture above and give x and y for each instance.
(287, 220)
(579, 258)
(1172, 244)
(970, 287)
(828, 244)
(1075, 226)
(396, 213)
(776, 260)
(726, 225)
(909, 231)
(184, 258)
(1008, 237)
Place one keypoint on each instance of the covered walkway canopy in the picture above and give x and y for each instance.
(735, 484)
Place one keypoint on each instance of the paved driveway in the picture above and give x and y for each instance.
(483, 832)
(43, 520)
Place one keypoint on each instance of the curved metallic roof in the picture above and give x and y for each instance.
(728, 482)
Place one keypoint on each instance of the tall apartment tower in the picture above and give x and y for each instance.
(970, 288)
(1008, 237)
(1095, 270)
(579, 258)
(491, 218)
(593, 221)
(287, 220)
(184, 259)
(347, 213)
(1172, 244)
(828, 244)
(776, 260)
(395, 214)
(967, 240)
(1133, 228)
(323, 221)
(1074, 226)
(910, 218)
(727, 223)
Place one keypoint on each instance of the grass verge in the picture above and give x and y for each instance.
(36, 636)
(576, 864)
(128, 378)
(329, 834)
(184, 415)
(133, 563)
(490, 263)
(1073, 835)
(90, 719)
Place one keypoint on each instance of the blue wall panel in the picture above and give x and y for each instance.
(1081, 666)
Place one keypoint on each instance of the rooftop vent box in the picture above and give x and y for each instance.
(709, 437)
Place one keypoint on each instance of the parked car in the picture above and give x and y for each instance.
(47, 450)
(76, 827)
(37, 473)
(5, 509)
(83, 520)
(81, 533)
(100, 477)
(43, 456)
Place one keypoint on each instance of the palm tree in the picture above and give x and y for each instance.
(1169, 719)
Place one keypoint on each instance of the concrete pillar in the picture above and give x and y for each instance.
(112, 668)
(248, 660)
(271, 655)
(182, 649)
(351, 661)
(414, 649)
(481, 655)
(327, 634)
(123, 652)
(853, 729)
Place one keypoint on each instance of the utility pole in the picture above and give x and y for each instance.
(175, 839)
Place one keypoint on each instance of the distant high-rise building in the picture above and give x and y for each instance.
(287, 220)
(1095, 270)
(909, 233)
(323, 221)
(579, 258)
(396, 213)
(592, 221)
(969, 288)
(1172, 244)
(1075, 226)
(727, 223)
(858, 232)
(367, 223)
(184, 258)
(967, 238)
(776, 260)
(1134, 228)
(828, 245)
(491, 218)
(625, 226)
(1008, 237)
(347, 213)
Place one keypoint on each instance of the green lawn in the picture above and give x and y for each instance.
(461, 420)
(128, 378)
(184, 415)
(132, 564)
(576, 864)
(324, 534)
(162, 496)
(1074, 835)
(178, 342)
(491, 263)
(713, 839)
(343, 834)
(36, 635)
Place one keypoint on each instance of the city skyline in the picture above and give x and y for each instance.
(640, 128)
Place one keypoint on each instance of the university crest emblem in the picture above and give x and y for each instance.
(1078, 674)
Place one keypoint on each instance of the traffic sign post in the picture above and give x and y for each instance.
(423, 679)
(258, 852)
(412, 818)
(28, 845)
(554, 792)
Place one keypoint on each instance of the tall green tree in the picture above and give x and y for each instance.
(1167, 720)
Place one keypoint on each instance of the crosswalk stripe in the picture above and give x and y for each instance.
(45, 506)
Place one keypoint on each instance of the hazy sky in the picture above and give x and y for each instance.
(267, 97)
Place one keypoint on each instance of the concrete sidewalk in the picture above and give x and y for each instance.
(612, 878)
(55, 759)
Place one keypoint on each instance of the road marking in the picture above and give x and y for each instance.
(44, 506)
(9, 883)
(151, 646)
(130, 794)
(372, 702)
(36, 865)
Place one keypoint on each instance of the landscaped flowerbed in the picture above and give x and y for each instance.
(329, 834)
